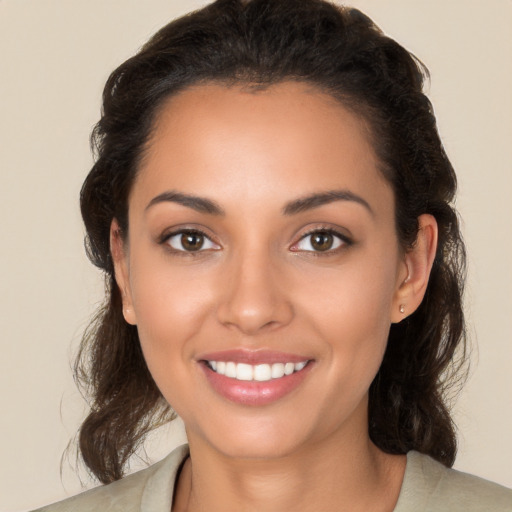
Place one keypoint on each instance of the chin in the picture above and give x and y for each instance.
(258, 447)
(257, 437)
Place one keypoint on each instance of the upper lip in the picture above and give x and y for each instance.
(253, 357)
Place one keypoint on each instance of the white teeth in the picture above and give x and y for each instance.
(289, 368)
(262, 372)
(243, 371)
(259, 372)
(299, 366)
(277, 370)
(231, 370)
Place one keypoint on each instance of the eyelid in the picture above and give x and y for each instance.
(345, 240)
(164, 239)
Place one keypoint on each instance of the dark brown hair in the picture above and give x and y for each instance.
(262, 42)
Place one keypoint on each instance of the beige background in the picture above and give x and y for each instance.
(54, 58)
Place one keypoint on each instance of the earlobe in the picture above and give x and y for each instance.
(120, 260)
(418, 263)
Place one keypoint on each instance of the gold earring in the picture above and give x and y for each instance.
(401, 308)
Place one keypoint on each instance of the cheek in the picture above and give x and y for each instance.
(171, 306)
(171, 309)
(355, 328)
(350, 309)
(358, 292)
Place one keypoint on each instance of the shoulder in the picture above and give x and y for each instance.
(431, 487)
(150, 489)
(124, 494)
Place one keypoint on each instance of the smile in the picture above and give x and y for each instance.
(258, 372)
(254, 378)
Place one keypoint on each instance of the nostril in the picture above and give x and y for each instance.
(253, 298)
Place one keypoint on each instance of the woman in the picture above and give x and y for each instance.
(271, 204)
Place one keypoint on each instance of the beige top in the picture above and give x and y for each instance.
(428, 486)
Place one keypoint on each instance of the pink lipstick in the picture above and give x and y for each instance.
(254, 377)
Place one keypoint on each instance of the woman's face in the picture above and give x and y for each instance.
(262, 237)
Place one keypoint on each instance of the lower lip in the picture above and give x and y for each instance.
(255, 392)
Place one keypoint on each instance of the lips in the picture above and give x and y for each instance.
(254, 377)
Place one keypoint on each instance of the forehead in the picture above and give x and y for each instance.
(239, 142)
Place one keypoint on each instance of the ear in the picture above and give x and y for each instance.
(121, 270)
(415, 274)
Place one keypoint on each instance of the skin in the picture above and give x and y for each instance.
(260, 285)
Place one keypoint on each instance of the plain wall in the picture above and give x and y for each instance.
(55, 56)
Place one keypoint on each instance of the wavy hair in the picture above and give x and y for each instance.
(340, 51)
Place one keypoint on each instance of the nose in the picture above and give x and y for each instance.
(254, 299)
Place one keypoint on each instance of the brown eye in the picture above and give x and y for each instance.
(322, 241)
(192, 241)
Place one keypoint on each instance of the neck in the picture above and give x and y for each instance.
(328, 476)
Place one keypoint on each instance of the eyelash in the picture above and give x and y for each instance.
(164, 240)
(343, 239)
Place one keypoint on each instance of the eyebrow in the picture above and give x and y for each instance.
(200, 204)
(302, 204)
(319, 199)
